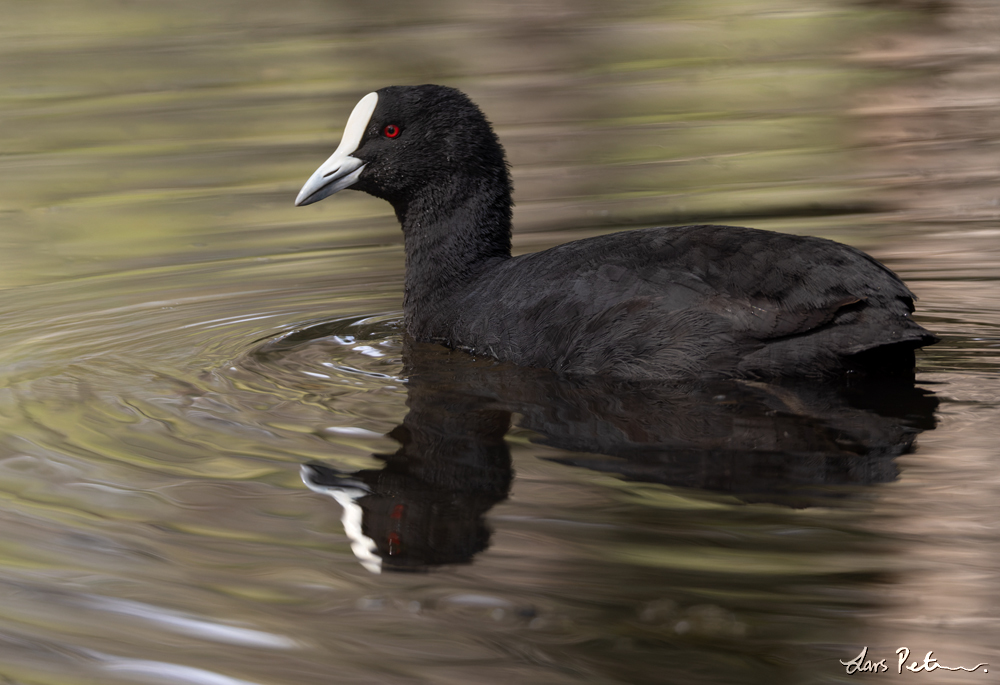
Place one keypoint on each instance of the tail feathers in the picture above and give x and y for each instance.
(836, 350)
(893, 360)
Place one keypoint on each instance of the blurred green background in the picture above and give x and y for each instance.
(137, 133)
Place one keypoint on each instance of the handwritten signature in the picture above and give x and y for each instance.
(862, 664)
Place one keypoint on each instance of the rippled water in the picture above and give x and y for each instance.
(182, 347)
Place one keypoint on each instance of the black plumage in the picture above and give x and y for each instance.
(657, 303)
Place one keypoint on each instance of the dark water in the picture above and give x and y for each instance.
(179, 341)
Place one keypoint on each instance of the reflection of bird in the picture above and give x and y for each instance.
(793, 443)
(654, 303)
(426, 506)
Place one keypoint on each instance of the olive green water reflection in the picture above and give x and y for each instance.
(154, 524)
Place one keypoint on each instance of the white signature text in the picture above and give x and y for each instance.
(862, 664)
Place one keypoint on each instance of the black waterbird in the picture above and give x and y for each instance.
(658, 303)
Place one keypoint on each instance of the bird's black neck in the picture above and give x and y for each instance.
(453, 234)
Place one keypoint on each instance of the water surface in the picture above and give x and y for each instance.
(179, 341)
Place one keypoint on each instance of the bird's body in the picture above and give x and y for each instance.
(658, 303)
(668, 302)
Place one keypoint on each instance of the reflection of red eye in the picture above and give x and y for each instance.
(391, 131)
(394, 544)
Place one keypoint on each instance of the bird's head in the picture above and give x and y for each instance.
(403, 141)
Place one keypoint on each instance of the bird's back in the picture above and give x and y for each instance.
(671, 302)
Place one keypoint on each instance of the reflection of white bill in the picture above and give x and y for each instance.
(862, 664)
(364, 547)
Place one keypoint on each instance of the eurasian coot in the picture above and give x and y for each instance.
(658, 303)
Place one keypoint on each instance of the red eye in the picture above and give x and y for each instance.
(391, 131)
